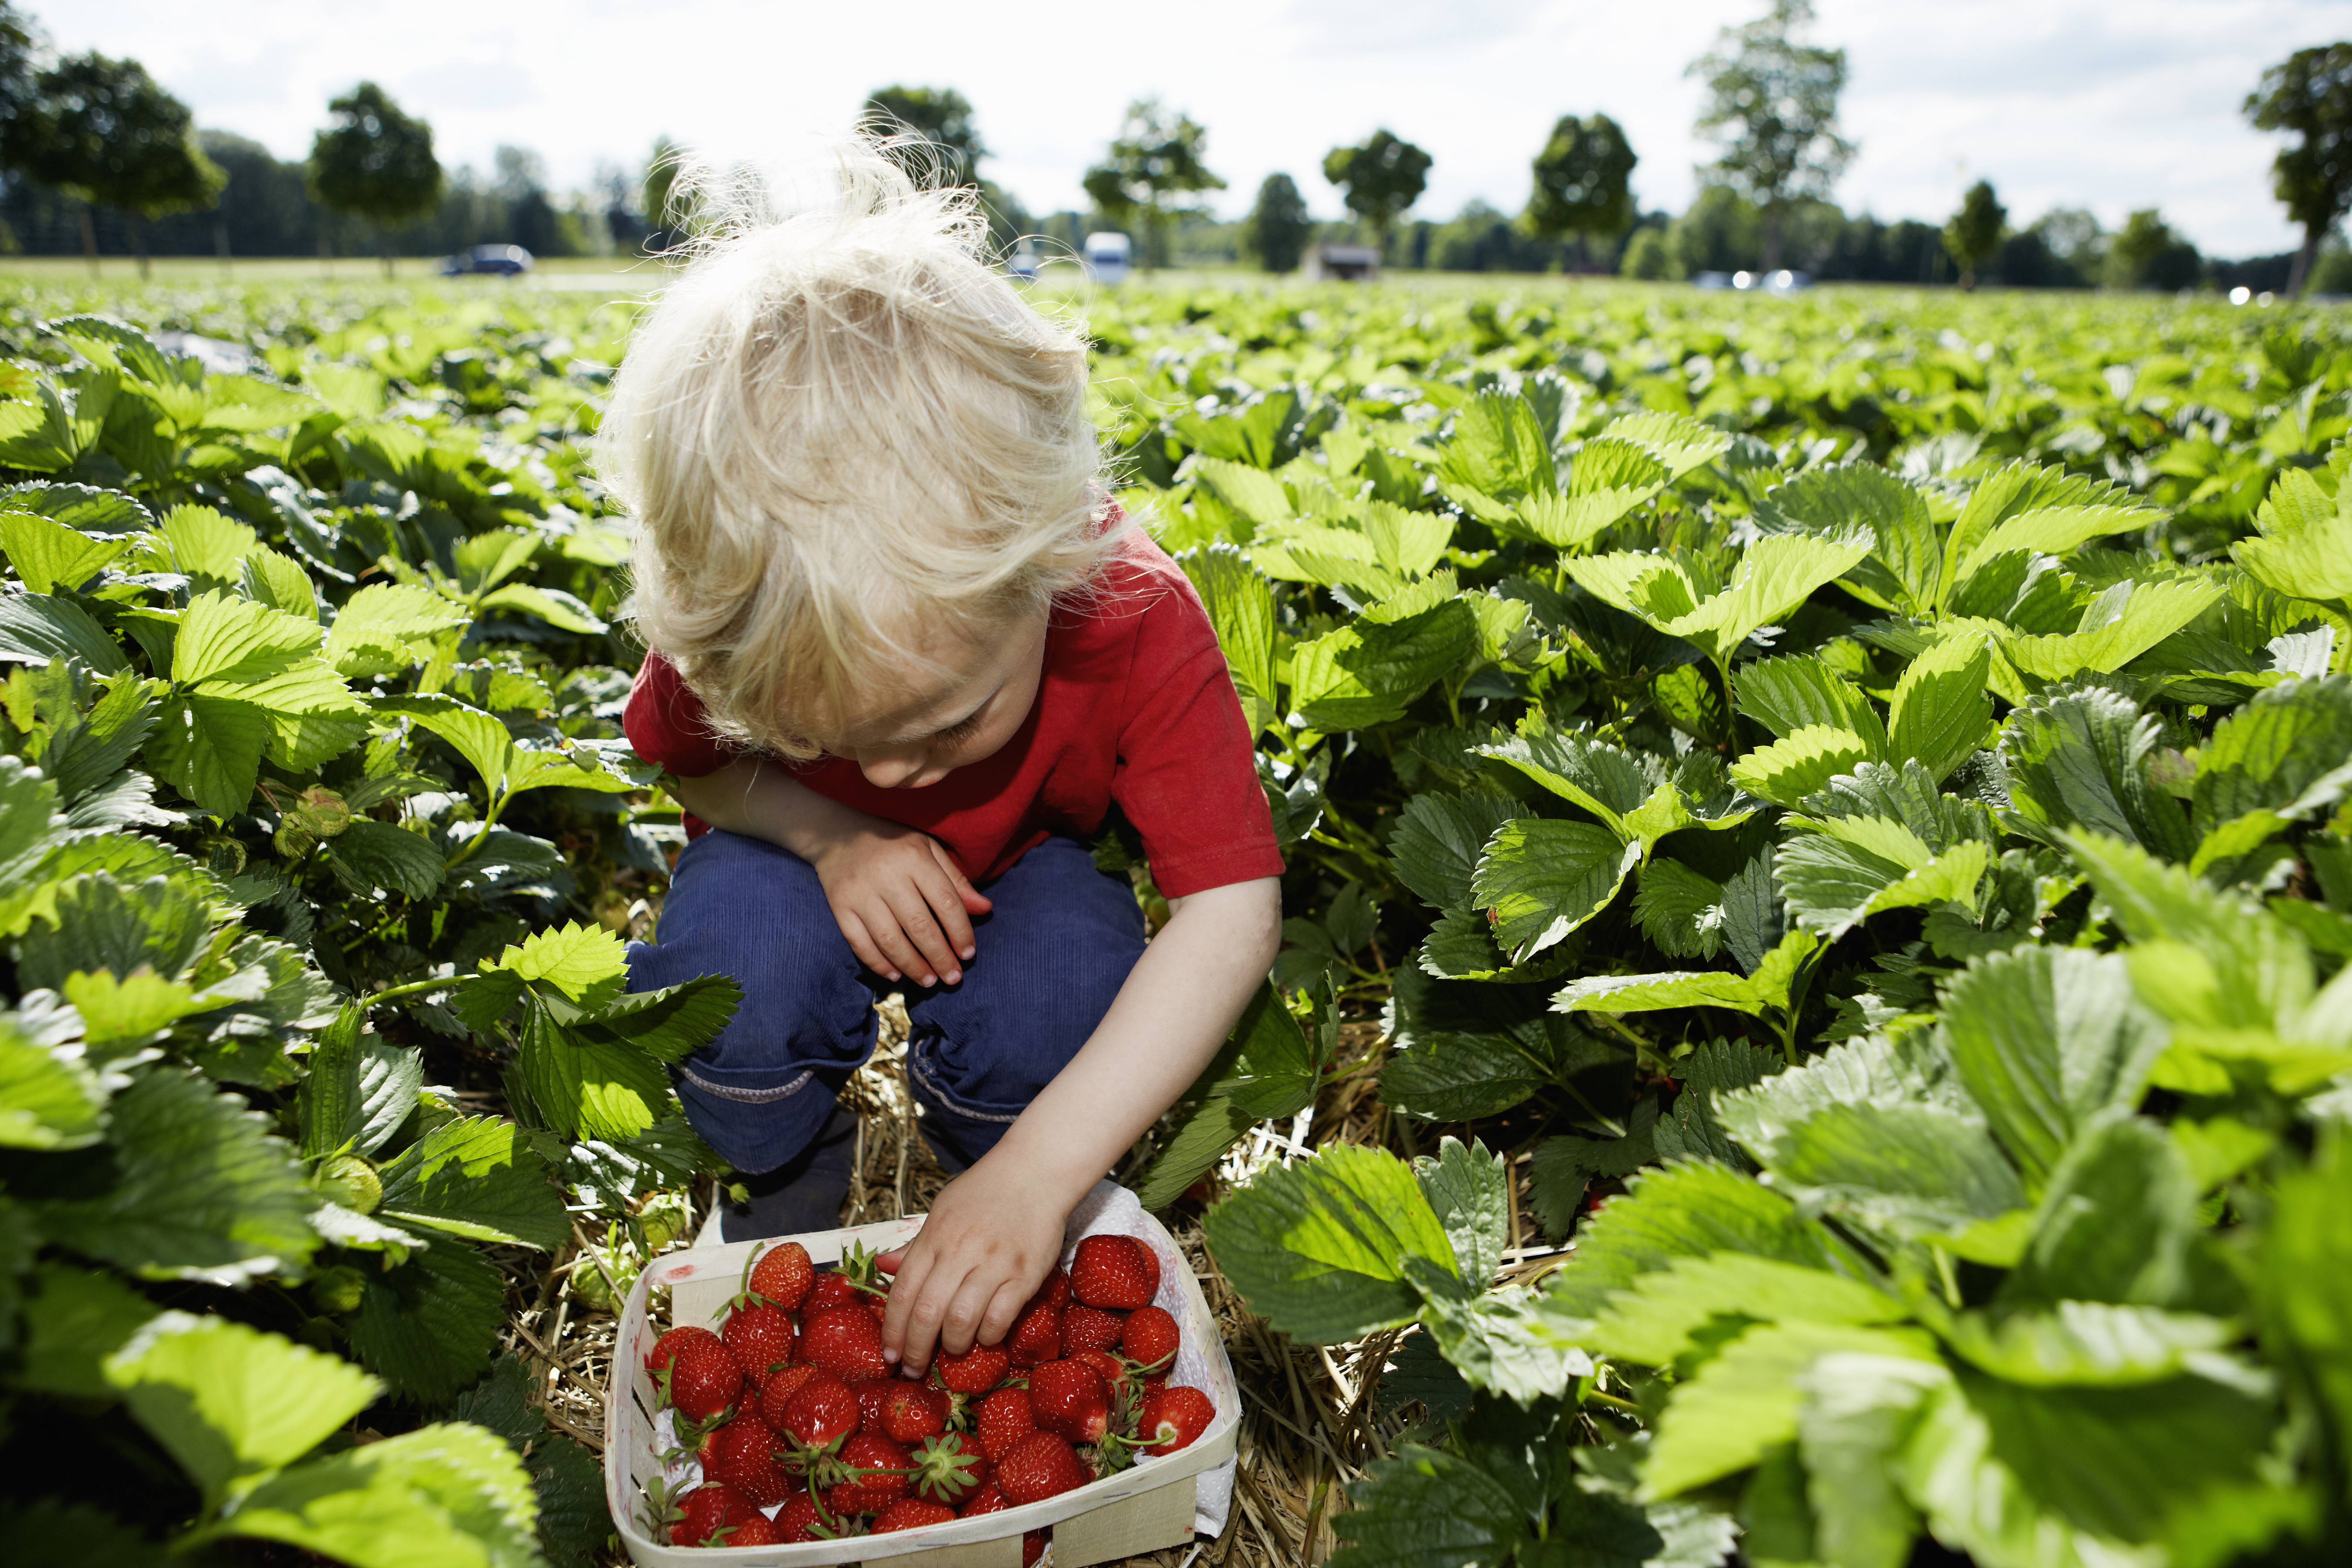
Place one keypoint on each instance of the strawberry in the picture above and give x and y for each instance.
(1054, 1292)
(759, 1334)
(783, 1274)
(1176, 1418)
(910, 1513)
(877, 1472)
(987, 1500)
(1038, 1467)
(757, 1531)
(800, 1519)
(913, 1412)
(742, 1453)
(872, 1393)
(1150, 1338)
(666, 1348)
(1033, 1545)
(1036, 1333)
(827, 1290)
(976, 1371)
(779, 1386)
(846, 1342)
(1114, 1271)
(1005, 1420)
(947, 1466)
(702, 1379)
(706, 1510)
(1087, 1328)
(819, 1413)
(1117, 1376)
(1069, 1399)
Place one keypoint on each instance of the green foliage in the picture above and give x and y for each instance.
(1153, 163)
(1278, 226)
(1817, 874)
(266, 833)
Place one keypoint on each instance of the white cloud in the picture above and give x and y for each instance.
(2059, 102)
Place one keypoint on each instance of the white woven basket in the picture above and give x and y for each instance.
(1154, 1505)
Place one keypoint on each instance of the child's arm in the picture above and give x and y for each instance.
(997, 1228)
(900, 897)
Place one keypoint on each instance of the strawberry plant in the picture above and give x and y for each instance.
(1833, 806)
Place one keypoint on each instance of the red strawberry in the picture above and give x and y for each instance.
(784, 1274)
(876, 1468)
(910, 1513)
(779, 1386)
(1114, 1271)
(1150, 1337)
(1087, 1328)
(949, 1466)
(976, 1371)
(1055, 1291)
(703, 1378)
(912, 1411)
(819, 1413)
(706, 1510)
(1177, 1416)
(877, 1305)
(1069, 1399)
(742, 1453)
(1005, 1420)
(666, 1348)
(799, 1521)
(1038, 1467)
(760, 1335)
(987, 1500)
(1036, 1333)
(846, 1342)
(1033, 1545)
(828, 1290)
(757, 1531)
(1116, 1375)
(872, 1393)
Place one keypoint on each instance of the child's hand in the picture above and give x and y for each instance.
(901, 900)
(987, 1246)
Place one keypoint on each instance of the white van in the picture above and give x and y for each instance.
(1107, 258)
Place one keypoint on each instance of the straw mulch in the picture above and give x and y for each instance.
(1312, 1418)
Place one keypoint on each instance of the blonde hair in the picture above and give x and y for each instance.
(841, 433)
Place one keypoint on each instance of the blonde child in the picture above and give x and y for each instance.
(907, 657)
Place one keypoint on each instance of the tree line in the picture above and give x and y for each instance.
(93, 152)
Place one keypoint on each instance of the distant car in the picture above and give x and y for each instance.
(1023, 262)
(498, 260)
(1107, 258)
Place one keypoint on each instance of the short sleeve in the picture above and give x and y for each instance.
(1187, 770)
(667, 724)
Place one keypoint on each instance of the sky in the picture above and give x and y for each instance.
(2093, 103)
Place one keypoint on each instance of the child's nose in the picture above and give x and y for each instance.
(890, 769)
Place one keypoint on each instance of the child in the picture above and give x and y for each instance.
(907, 657)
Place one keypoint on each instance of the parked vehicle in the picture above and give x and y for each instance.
(1108, 257)
(496, 260)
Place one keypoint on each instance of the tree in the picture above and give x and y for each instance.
(1773, 106)
(2310, 94)
(1154, 161)
(1379, 180)
(375, 164)
(19, 89)
(1646, 257)
(944, 117)
(2146, 254)
(1973, 235)
(1582, 178)
(103, 131)
(1278, 227)
(665, 223)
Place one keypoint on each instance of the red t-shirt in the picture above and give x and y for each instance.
(1134, 707)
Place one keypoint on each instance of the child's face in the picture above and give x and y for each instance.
(918, 737)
